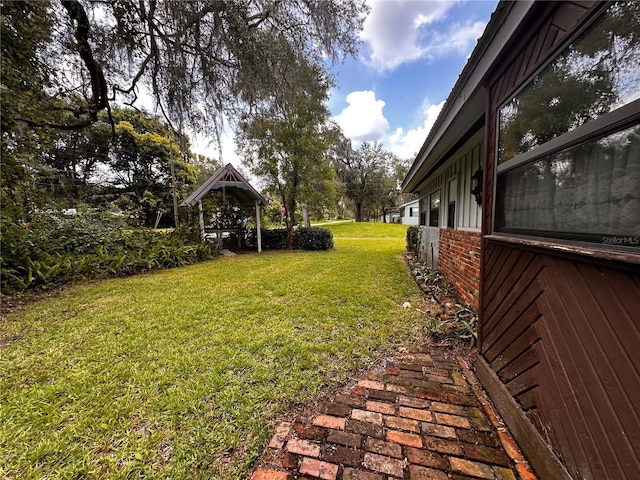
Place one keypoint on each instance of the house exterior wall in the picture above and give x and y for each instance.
(390, 217)
(459, 170)
(459, 260)
(455, 248)
(559, 337)
(429, 246)
(559, 323)
(470, 215)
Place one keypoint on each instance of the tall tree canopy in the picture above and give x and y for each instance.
(65, 63)
(369, 175)
(199, 60)
(286, 144)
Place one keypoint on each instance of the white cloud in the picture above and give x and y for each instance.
(363, 120)
(400, 31)
(406, 145)
(458, 38)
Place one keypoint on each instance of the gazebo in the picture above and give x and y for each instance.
(229, 180)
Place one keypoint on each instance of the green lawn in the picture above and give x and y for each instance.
(183, 373)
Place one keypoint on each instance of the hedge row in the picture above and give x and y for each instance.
(304, 238)
(53, 249)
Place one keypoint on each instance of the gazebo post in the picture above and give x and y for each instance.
(201, 220)
(258, 232)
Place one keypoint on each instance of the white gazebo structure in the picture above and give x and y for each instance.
(229, 180)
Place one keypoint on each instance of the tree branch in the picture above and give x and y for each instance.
(59, 126)
(99, 99)
(259, 18)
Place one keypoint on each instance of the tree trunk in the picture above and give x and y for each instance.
(305, 215)
(291, 222)
(384, 215)
(358, 211)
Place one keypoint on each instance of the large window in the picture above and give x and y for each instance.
(597, 73)
(569, 141)
(434, 209)
(591, 189)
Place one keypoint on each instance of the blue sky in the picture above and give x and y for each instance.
(412, 54)
(411, 58)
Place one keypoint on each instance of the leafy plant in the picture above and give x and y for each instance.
(312, 238)
(53, 249)
(453, 321)
(413, 238)
(304, 238)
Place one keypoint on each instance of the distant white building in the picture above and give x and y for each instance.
(410, 213)
(392, 216)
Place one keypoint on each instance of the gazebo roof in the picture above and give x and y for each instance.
(233, 183)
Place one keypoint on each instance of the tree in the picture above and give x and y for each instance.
(389, 195)
(364, 173)
(25, 31)
(93, 167)
(148, 165)
(285, 143)
(200, 60)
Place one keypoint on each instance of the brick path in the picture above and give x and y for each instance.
(421, 417)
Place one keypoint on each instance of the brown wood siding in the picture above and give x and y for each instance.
(563, 336)
(559, 334)
(553, 24)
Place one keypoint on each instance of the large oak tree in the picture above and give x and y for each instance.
(198, 60)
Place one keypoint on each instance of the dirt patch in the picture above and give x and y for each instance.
(449, 319)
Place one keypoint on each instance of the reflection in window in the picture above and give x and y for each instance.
(584, 192)
(434, 208)
(451, 210)
(596, 74)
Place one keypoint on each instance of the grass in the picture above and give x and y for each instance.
(183, 373)
(369, 231)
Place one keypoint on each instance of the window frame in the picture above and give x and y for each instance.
(619, 119)
(439, 192)
(609, 123)
(455, 201)
(560, 49)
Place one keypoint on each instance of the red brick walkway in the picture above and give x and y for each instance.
(421, 417)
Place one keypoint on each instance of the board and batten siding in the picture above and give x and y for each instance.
(464, 165)
(469, 216)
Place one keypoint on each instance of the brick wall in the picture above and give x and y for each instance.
(459, 253)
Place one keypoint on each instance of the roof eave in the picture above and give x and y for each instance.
(212, 182)
(504, 21)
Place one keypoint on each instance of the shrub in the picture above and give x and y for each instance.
(304, 238)
(272, 238)
(53, 249)
(413, 238)
(312, 238)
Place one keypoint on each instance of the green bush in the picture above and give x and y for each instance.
(271, 238)
(304, 238)
(312, 238)
(53, 249)
(413, 238)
